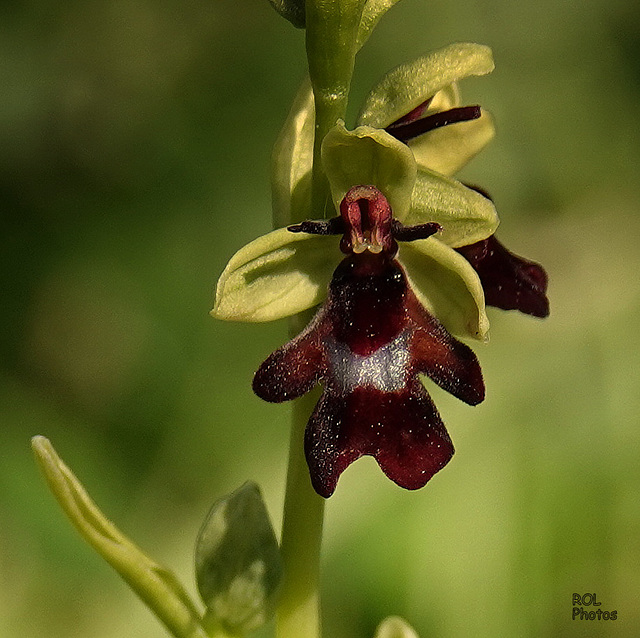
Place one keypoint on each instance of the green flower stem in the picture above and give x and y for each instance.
(299, 607)
(331, 31)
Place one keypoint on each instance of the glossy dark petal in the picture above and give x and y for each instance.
(407, 131)
(367, 346)
(412, 233)
(401, 430)
(333, 226)
(510, 282)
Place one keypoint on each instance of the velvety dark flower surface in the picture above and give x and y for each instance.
(367, 345)
(509, 282)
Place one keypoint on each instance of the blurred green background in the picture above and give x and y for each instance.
(135, 138)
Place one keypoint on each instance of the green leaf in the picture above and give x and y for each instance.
(446, 285)
(372, 12)
(395, 627)
(292, 10)
(155, 585)
(275, 276)
(447, 149)
(292, 160)
(369, 156)
(409, 85)
(238, 564)
(465, 216)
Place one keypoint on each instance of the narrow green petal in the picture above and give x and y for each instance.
(369, 156)
(465, 216)
(371, 14)
(395, 627)
(447, 286)
(291, 161)
(275, 276)
(447, 149)
(409, 85)
(155, 585)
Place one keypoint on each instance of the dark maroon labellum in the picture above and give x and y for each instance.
(367, 346)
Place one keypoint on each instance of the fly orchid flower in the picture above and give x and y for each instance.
(419, 246)
(377, 330)
(367, 345)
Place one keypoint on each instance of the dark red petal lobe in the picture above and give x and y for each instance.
(445, 360)
(510, 282)
(294, 369)
(401, 430)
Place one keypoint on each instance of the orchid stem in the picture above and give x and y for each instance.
(299, 607)
(331, 34)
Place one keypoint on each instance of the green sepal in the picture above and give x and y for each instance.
(277, 275)
(465, 216)
(444, 99)
(291, 161)
(238, 563)
(409, 85)
(154, 584)
(369, 156)
(371, 13)
(446, 285)
(395, 627)
(292, 10)
(448, 148)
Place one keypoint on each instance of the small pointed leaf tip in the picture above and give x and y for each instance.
(292, 10)
(238, 565)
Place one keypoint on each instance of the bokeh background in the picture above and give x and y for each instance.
(135, 137)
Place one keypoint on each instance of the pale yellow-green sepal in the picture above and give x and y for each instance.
(446, 285)
(395, 627)
(448, 148)
(409, 85)
(275, 276)
(446, 98)
(155, 585)
(369, 156)
(465, 216)
(291, 161)
(371, 13)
